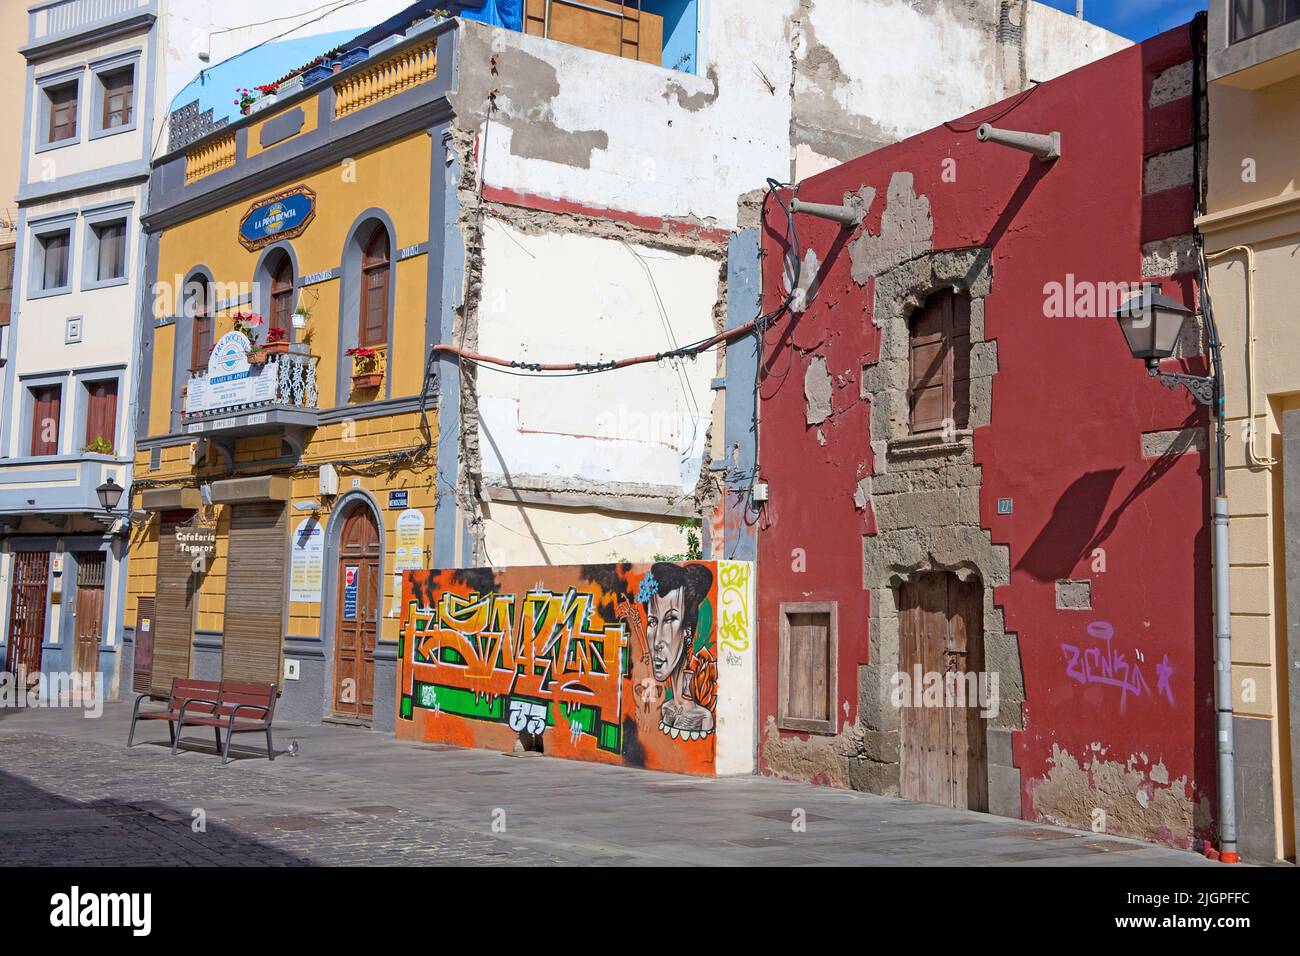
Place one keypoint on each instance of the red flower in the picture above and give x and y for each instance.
(276, 334)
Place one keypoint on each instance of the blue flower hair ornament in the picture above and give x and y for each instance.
(649, 588)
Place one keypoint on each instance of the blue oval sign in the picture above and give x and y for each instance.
(283, 216)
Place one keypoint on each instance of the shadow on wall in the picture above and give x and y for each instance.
(1074, 530)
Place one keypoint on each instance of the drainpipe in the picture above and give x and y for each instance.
(1224, 737)
(1078, 9)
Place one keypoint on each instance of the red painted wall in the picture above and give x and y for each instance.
(1069, 410)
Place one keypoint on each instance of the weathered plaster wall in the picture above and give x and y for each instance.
(865, 75)
(1059, 424)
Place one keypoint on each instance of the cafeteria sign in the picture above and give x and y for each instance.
(285, 215)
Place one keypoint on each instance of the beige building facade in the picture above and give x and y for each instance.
(1251, 229)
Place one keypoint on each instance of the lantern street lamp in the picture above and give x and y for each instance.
(110, 493)
(1152, 324)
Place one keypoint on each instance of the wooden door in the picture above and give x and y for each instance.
(356, 616)
(252, 644)
(174, 605)
(89, 625)
(942, 741)
(142, 658)
(27, 604)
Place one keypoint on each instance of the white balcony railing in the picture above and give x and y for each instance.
(285, 380)
(68, 16)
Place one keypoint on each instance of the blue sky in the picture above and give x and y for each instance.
(1135, 19)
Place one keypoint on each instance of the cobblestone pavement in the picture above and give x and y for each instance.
(71, 793)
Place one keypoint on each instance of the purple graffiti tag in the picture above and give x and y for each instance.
(1164, 671)
(1106, 666)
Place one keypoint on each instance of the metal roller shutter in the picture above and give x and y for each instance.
(173, 625)
(253, 636)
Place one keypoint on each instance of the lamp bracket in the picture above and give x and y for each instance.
(1201, 386)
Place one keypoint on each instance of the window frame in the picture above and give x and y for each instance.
(369, 265)
(99, 71)
(45, 87)
(38, 232)
(808, 725)
(1234, 37)
(28, 435)
(94, 220)
(193, 317)
(949, 378)
(9, 254)
(280, 290)
(81, 422)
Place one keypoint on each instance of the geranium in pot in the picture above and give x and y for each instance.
(277, 341)
(365, 368)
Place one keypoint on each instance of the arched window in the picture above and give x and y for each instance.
(281, 311)
(198, 306)
(376, 271)
(939, 383)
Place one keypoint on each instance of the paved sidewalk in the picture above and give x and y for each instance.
(71, 793)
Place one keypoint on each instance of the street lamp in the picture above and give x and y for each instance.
(1152, 324)
(110, 493)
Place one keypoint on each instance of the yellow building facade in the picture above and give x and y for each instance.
(1252, 243)
(287, 429)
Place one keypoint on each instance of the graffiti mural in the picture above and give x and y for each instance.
(615, 663)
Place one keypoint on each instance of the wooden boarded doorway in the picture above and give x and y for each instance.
(942, 752)
(356, 615)
(90, 612)
(27, 604)
(252, 645)
(175, 593)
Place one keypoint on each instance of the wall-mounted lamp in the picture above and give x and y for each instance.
(1152, 324)
(110, 493)
(1046, 146)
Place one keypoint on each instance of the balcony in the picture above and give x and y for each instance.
(277, 396)
(59, 19)
(57, 484)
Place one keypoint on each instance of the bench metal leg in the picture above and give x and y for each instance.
(217, 732)
(225, 754)
(176, 736)
(135, 716)
(270, 747)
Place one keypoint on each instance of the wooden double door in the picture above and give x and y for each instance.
(356, 617)
(942, 750)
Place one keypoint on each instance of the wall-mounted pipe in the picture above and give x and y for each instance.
(849, 217)
(1046, 146)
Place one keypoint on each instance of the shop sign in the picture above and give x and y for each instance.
(230, 381)
(285, 215)
(198, 536)
(410, 551)
(307, 562)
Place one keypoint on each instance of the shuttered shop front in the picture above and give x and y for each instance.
(252, 639)
(173, 625)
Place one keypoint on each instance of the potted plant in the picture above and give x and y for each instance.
(365, 368)
(301, 316)
(277, 341)
(266, 97)
(246, 100)
(99, 446)
(257, 355)
(247, 323)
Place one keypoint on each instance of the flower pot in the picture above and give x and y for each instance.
(263, 102)
(257, 358)
(275, 348)
(364, 380)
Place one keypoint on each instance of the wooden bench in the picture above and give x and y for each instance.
(183, 691)
(238, 707)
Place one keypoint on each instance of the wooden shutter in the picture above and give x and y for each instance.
(376, 273)
(616, 27)
(939, 387)
(253, 638)
(63, 113)
(119, 90)
(282, 295)
(200, 308)
(173, 624)
(101, 412)
(47, 404)
(807, 657)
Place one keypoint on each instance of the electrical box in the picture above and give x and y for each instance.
(760, 492)
(329, 480)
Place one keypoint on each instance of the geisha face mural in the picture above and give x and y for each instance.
(681, 654)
